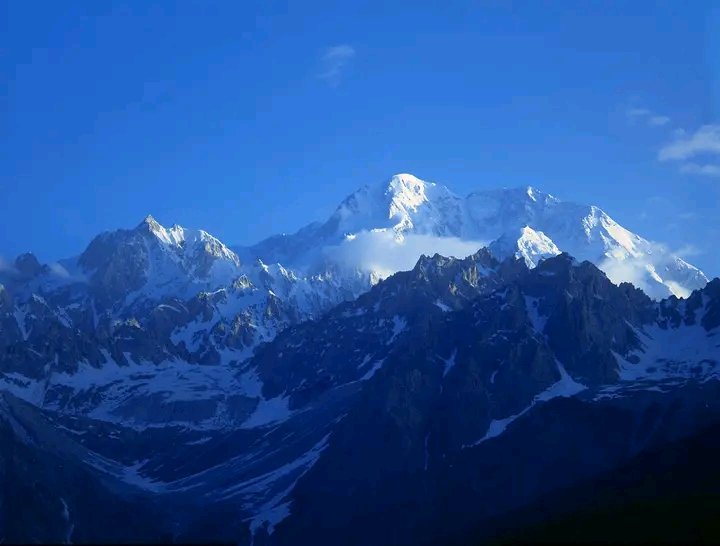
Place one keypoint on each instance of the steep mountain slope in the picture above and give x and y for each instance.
(410, 398)
(111, 332)
(232, 398)
(439, 416)
(667, 494)
(49, 494)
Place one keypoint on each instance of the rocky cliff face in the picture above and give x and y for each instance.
(440, 398)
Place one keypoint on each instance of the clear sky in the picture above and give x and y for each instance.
(254, 117)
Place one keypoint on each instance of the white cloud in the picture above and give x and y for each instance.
(638, 112)
(334, 61)
(704, 169)
(59, 270)
(646, 273)
(636, 272)
(54, 269)
(648, 116)
(380, 251)
(658, 121)
(706, 140)
(688, 215)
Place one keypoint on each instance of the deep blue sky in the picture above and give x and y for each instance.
(250, 118)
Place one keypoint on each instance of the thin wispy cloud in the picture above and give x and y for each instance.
(334, 62)
(693, 152)
(688, 215)
(647, 116)
(638, 112)
(688, 146)
(698, 168)
(689, 251)
(658, 121)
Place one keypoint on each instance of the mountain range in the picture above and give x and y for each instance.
(414, 369)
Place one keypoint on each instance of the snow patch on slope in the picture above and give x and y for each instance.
(685, 352)
(399, 325)
(374, 368)
(536, 319)
(449, 363)
(565, 387)
(271, 512)
(268, 412)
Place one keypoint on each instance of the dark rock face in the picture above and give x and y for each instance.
(49, 495)
(426, 409)
(117, 263)
(711, 319)
(28, 266)
(588, 317)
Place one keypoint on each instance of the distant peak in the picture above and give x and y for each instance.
(150, 226)
(149, 223)
(407, 184)
(528, 244)
(406, 178)
(406, 193)
(27, 264)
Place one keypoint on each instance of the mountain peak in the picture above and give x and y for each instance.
(28, 265)
(523, 221)
(149, 224)
(407, 193)
(173, 236)
(406, 181)
(148, 220)
(407, 177)
(527, 244)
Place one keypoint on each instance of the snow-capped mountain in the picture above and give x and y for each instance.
(139, 306)
(402, 352)
(151, 262)
(384, 228)
(417, 393)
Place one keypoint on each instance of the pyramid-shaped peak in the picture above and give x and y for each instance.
(149, 222)
(528, 244)
(173, 236)
(28, 265)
